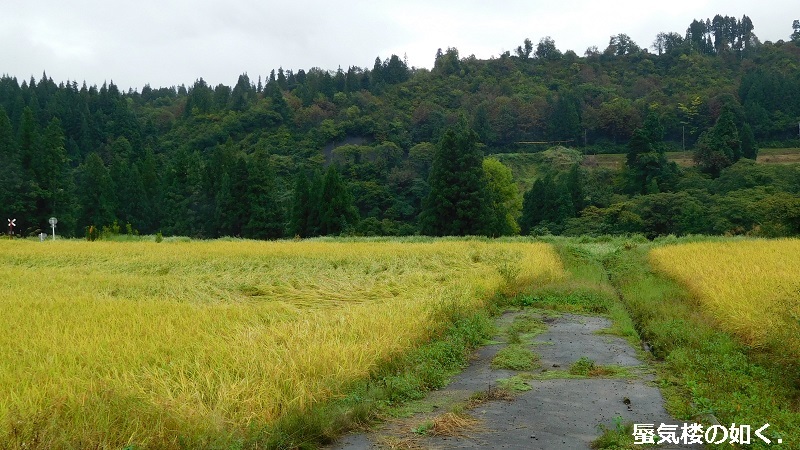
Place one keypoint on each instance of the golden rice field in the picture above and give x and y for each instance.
(749, 288)
(105, 344)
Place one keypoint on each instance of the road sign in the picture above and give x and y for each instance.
(11, 224)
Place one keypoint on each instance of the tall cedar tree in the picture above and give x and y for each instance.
(96, 193)
(457, 202)
(231, 209)
(749, 146)
(336, 209)
(719, 146)
(266, 216)
(314, 199)
(301, 207)
(12, 201)
(548, 204)
(54, 179)
(646, 167)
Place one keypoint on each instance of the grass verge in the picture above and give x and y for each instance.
(586, 288)
(619, 436)
(704, 370)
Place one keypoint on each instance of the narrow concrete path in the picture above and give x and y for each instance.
(558, 411)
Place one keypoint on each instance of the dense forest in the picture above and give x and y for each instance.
(398, 150)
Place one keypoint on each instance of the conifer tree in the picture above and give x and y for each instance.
(266, 218)
(225, 207)
(233, 210)
(152, 184)
(282, 78)
(336, 209)
(28, 135)
(457, 202)
(646, 167)
(547, 204)
(719, 146)
(749, 147)
(12, 200)
(301, 207)
(51, 174)
(314, 199)
(96, 193)
(565, 123)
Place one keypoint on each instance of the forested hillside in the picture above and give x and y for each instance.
(394, 149)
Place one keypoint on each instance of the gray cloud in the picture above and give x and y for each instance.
(176, 42)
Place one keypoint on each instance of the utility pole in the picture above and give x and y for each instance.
(683, 137)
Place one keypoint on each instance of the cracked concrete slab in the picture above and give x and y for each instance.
(560, 413)
(569, 337)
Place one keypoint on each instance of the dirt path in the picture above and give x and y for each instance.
(542, 408)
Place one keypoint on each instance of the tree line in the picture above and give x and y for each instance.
(360, 151)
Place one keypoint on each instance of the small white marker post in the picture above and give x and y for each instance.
(11, 224)
(53, 221)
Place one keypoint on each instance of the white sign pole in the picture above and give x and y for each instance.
(53, 221)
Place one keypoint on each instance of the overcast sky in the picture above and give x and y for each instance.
(173, 42)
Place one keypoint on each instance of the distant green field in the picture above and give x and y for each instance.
(526, 167)
(684, 159)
